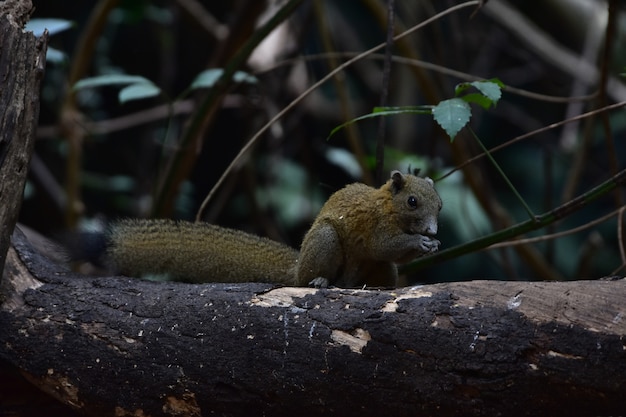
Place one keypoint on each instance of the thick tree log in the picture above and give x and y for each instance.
(123, 346)
(22, 61)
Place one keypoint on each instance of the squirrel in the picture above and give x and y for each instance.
(357, 238)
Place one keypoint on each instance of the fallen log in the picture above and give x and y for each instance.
(124, 346)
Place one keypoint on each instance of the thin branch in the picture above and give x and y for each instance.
(69, 115)
(341, 89)
(433, 67)
(580, 157)
(594, 33)
(384, 93)
(104, 127)
(604, 83)
(535, 132)
(620, 235)
(244, 150)
(505, 178)
(555, 235)
(172, 174)
(547, 48)
(539, 222)
(40, 174)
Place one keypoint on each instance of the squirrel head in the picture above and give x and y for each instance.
(416, 203)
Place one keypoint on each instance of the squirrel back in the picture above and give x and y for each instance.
(362, 232)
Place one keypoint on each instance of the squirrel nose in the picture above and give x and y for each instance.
(432, 228)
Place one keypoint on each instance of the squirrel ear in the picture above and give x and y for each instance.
(397, 181)
(430, 181)
(415, 171)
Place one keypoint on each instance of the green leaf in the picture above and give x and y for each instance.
(490, 89)
(138, 91)
(496, 81)
(481, 100)
(54, 26)
(452, 115)
(110, 80)
(208, 78)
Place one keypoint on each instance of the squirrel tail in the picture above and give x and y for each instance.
(198, 252)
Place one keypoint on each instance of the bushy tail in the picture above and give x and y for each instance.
(198, 252)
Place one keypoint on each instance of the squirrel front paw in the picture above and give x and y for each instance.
(428, 244)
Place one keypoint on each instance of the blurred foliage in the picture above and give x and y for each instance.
(97, 158)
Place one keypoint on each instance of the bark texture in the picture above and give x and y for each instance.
(122, 346)
(22, 60)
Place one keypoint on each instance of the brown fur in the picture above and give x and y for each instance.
(361, 232)
(198, 252)
(357, 238)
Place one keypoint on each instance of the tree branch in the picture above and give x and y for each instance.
(538, 222)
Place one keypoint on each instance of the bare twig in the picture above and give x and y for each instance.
(70, 116)
(180, 163)
(104, 127)
(549, 50)
(555, 235)
(603, 99)
(590, 51)
(620, 235)
(538, 222)
(341, 89)
(41, 174)
(244, 150)
(433, 67)
(384, 93)
(535, 132)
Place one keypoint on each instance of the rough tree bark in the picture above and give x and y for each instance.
(121, 346)
(22, 61)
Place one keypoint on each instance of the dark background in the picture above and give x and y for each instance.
(294, 167)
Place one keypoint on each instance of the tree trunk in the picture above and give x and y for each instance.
(123, 346)
(22, 61)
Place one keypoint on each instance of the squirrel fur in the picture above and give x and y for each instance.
(357, 238)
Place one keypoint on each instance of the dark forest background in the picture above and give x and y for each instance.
(97, 159)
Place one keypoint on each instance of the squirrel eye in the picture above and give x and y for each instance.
(412, 201)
